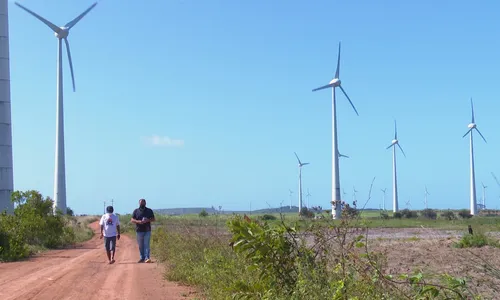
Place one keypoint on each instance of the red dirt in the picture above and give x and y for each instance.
(84, 273)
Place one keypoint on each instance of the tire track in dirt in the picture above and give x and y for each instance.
(83, 273)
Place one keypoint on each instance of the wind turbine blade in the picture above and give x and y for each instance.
(349, 99)
(395, 130)
(305, 164)
(77, 19)
(481, 135)
(70, 63)
(389, 146)
(48, 23)
(297, 158)
(323, 87)
(467, 133)
(401, 150)
(472, 109)
(338, 65)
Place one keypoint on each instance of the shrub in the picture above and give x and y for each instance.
(429, 214)
(33, 225)
(349, 211)
(448, 215)
(409, 214)
(464, 214)
(478, 239)
(397, 215)
(305, 212)
(268, 217)
(203, 213)
(384, 215)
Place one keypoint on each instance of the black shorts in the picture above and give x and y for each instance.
(110, 243)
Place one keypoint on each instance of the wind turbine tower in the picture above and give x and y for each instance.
(425, 198)
(393, 144)
(6, 164)
(61, 34)
(334, 83)
(472, 126)
(301, 164)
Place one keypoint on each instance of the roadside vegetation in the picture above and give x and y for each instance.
(33, 227)
(284, 256)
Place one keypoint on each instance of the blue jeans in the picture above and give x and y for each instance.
(143, 239)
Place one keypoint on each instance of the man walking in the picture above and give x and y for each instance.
(110, 230)
(142, 218)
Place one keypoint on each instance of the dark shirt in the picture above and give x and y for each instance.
(138, 214)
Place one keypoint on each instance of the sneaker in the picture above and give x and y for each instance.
(147, 260)
(112, 261)
(141, 260)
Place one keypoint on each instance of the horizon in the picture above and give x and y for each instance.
(206, 103)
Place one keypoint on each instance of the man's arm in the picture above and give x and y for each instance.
(102, 229)
(134, 220)
(118, 231)
(101, 222)
(152, 218)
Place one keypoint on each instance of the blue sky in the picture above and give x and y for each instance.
(225, 86)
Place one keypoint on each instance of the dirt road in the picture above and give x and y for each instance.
(83, 273)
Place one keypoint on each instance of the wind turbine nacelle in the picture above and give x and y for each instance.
(63, 33)
(394, 142)
(471, 125)
(335, 82)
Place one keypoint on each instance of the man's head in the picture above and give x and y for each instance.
(142, 203)
(109, 209)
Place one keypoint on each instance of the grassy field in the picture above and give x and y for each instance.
(201, 251)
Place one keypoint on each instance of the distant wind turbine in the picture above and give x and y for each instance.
(484, 195)
(301, 164)
(425, 198)
(291, 193)
(354, 191)
(61, 34)
(408, 204)
(472, 126)
(307, 198)
(393, 144)
(334, 83)
(383, 199)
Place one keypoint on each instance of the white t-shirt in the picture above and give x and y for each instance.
(109, 221)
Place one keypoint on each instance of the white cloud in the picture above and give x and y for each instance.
(163, 141)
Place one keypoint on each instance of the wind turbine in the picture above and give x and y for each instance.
(425, 197)
(496, 179)
(484, 195)
(307, 198)
(335, 82)
(408, 204)
(383, 199)
(291, 192)
(393, 144)
(6, 164)
(354, 191)
(61, 34)
(301, 164)
(472, 126)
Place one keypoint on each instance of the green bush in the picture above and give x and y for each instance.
(429, 214)
(268, 217)
(477, 240)
(465, 214)
(448, 215)
(397, 215)
(33, 226)
(409, 214)
(203, 213)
